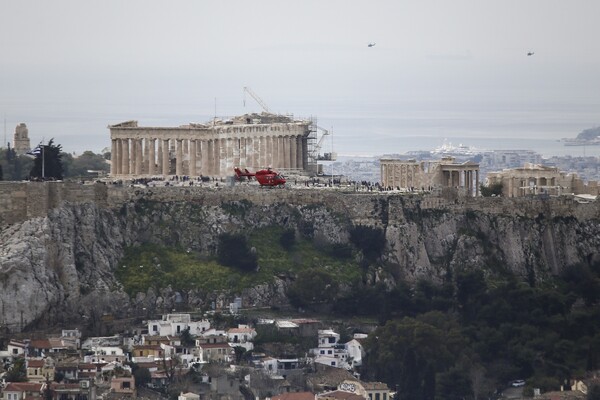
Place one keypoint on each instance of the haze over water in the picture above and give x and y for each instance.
(440, 70)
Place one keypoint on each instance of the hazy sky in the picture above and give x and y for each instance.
(113, 60)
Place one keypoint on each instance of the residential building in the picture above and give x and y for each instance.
(175, 324)
(23, 390)
(123, 388)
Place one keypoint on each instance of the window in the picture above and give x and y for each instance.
(377, 396)
(333, 363)
(126, 385)
(331, 340)
(154, 328)
(385, 396)
(329, 352)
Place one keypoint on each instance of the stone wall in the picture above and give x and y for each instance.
(20, 201)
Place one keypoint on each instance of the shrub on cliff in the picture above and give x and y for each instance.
(491, 190)
(369, 240)
(234, 251)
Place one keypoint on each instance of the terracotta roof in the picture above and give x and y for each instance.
(87, 366)
(295, 396)
(375, 386)
(23, 387)
(340, 395)
(36, 363)
(326, 375)
(147, 347)
(40, 344)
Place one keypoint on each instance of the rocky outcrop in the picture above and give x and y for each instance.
(60, 267)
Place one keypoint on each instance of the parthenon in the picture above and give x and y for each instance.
(213, 149)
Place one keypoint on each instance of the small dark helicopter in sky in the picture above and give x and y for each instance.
(371, 44)
(265, 177)
(530, 53)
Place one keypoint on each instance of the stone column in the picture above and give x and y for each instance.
(293, 151)
(275, 150)
(204, 157)
(193, 153)
(166, 161)
(151, 143)
(299, 156)
(113, 154)
(139, 157)
(125, 157)
(242, 162)
(228, 164)
(159, 159)
(146, 156)
(236, 151)
(211, 157)
(477, 182)
(217, 157)
(178, 157)
(118, 160)
(132, 155)
(286, 152)
(256, 153)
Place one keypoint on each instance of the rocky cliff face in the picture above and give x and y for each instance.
(61, 267)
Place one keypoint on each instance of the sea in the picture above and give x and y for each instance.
(357, 130)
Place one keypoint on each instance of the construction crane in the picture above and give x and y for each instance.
(255, 97)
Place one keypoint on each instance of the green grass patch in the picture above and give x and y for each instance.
(150, 265)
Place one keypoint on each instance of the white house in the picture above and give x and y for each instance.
(330, 352)
(241, 336)
(328, 338)
(175, 324)
(355, 352)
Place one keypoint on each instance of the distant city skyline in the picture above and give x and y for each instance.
(439, 69)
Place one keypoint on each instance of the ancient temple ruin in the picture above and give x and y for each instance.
(213, 149)
(430, 175)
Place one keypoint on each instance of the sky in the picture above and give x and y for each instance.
(69, 68)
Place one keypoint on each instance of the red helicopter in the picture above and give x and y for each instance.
(265, 177)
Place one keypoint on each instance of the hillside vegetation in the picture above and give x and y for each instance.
(277, 254)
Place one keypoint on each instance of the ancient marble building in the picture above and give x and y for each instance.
(21, 142)
(430, 175)
(212, 149)
(534, 179)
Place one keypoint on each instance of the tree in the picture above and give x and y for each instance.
(312, 286)
(17, 372)
(370, 240)
(594, 392)
(79, 166)
(51, 158)
(494, 189)
(1, 175)
(234, 251)
(13, 166)
(142, 376)
(186, 338)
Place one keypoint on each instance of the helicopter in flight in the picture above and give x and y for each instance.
(371, 44)
(265, 177)
(530, 53)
